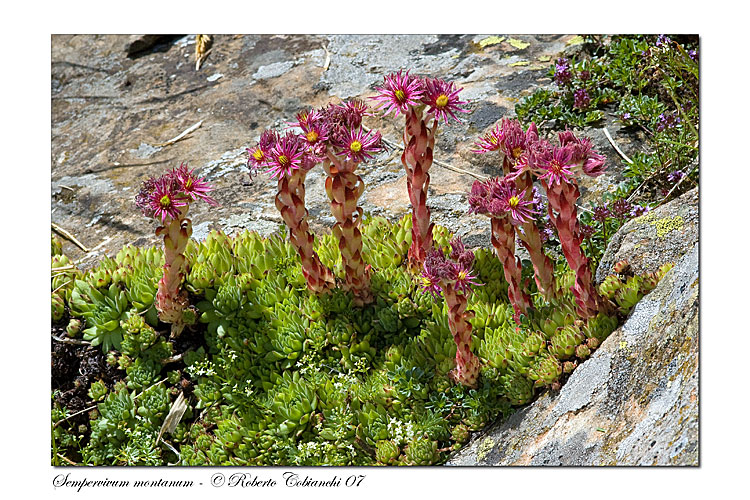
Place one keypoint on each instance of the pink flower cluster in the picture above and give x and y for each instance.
(335, 129)
(556, 166)
(167, 198)
(334, 136)
(452, 278)
(424, 102)
(402, 90)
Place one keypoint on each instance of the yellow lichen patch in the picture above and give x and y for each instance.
(491, 40)
(484, 449)
(520, 63)
(519, 44)
(576, 40)
(664, 225)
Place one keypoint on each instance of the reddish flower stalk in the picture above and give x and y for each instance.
(423, 102)
(419, 142)
(561, 198)
(507, 208)
(509, 138)
(344, 189)
(453, 279)
(346, 147)
(557, 167)
(290, 158)
(168, 198)
(290, 200)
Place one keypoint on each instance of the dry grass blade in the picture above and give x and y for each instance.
(173, 417)
(612, 142)
(180, 136)
(65, 234)
(202, 48)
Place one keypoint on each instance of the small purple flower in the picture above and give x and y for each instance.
(602, 213)
(546, 233)
(587, 230)
(621, 208)
(675, 176)
(584, 75)
(638, 210)
(581, 99)
(562, 76)
(663, 41)
(693, 54)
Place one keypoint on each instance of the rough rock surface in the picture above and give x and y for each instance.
(634, 402)
(650, 240)
(116, 99)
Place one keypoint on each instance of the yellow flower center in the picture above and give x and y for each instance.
(283, 160)
(312, 136)
(165, 201)
(513, 201)
(355, 146)
(461, 275)
(400, 96)
(189, 183)
(258, 154)
(441, 101)
(517, 152)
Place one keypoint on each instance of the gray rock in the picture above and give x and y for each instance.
(634, 402)
(655, 238)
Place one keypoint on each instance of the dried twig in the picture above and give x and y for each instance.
(619, 151)
(73, 415)
(65, 234)
(67, 459)
(65, 340)
(180, 136)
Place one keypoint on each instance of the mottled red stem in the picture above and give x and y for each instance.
(171, 301)
(290, 200)
(344, 189)
(467, 364)
(419, 142)
(504, 241)
(562, 199)
(531, 240)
